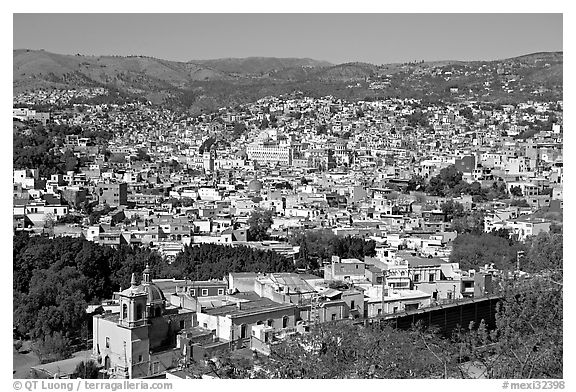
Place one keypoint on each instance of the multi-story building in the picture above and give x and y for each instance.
(113, 194)
(270, 153)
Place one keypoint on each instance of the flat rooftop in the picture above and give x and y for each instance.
(248, 307)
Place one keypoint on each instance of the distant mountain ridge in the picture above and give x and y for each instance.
(255, 65)
(230, 81)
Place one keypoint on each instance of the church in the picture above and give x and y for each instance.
(140, 340)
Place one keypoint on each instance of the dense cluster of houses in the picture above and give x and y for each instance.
(316, 163)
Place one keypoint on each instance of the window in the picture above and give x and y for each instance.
(204, 292)
(124, 311)
(181, 324)
(107, 342)
(138, 311)
(270, 322)
(285, 322)
(140, 358)
(220, 291)
(416, 277)
(395, 309)
(205, 325)
(333, 316)
(431, 278)
(379, 312)
(192, 292)
(243, 331)
(352, 305)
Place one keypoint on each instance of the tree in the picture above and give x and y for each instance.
(86, 370)
(71, 163)
(452, 209)
(416, 183)
(519, 202)
(345, 350)
(543, 253)
(52, 348)
(466, 113)
(516, 191)
(238, 130)
(472, 223)
(526, 341)
(265, 124)
(473, 251)
(259, 223)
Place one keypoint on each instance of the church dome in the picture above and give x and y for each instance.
(155, 295)
(255, 186)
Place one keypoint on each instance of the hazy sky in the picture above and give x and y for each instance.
(338, 38)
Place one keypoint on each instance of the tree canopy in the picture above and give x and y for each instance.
(258, 224)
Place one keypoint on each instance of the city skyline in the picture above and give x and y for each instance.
(318, 36)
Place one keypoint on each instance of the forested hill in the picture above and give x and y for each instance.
(208, 84)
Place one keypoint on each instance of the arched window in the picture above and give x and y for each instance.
(243, 331)
(106, 362)
(124, 312)
(139, 312)
(285, 322)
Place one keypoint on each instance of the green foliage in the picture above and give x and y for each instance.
(264, 124)
(207, 144)
(259, 223)
(519, 203)
(441, 184)
(543, 253)
(529, 326)
(527, 339)
(55, 280)
(472, 251)
(208, 261)
(86, 370)
(238, 130)
(417, 119)
(416, 183)
(466, 113)
(344, 350)
(52, 348)
(453, 209)
(40, 148)
(516, 191)
(317, 246)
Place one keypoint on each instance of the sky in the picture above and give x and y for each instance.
(337, 38)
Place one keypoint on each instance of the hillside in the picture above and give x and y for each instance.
(258, 65)
(208, 84)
